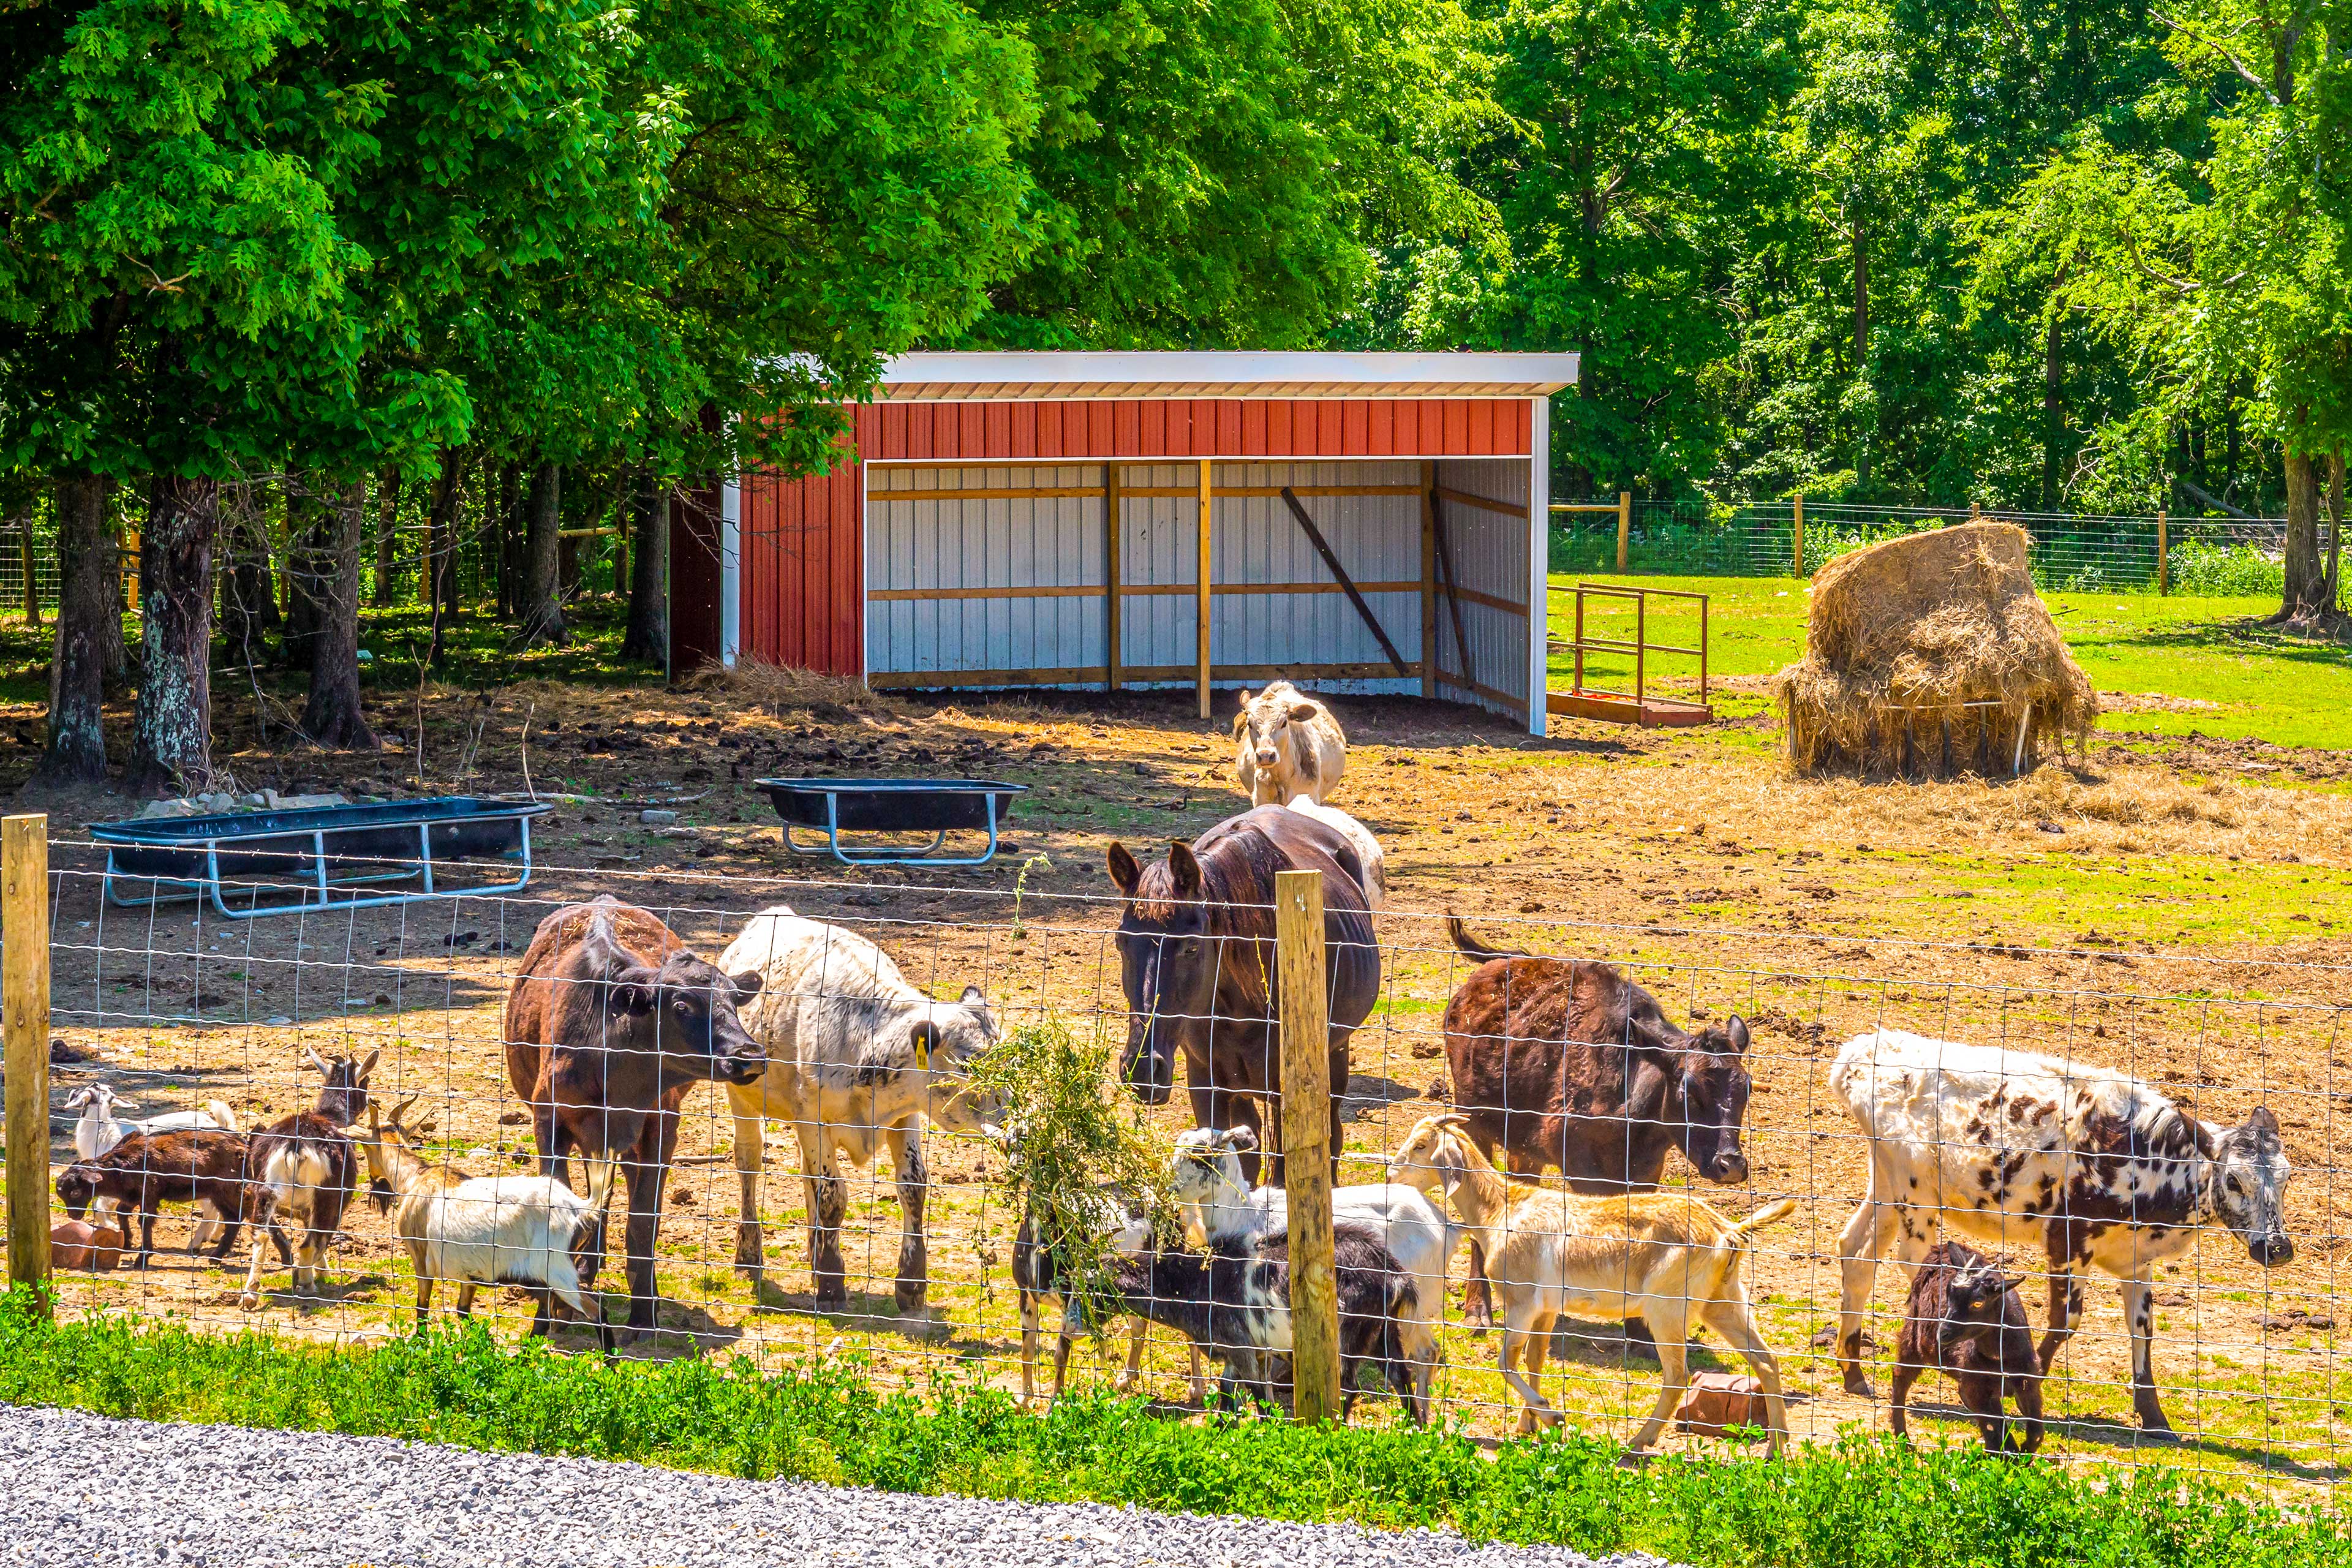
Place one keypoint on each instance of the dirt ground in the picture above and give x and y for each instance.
(2173, 917)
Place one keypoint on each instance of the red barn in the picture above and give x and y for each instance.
(1120, 519)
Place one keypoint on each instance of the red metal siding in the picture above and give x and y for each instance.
(1181, 429)
(804, 577)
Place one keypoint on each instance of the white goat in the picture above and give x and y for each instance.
(100, 1129)
(481, 1230)
(1205, 1180)
(1367, 847)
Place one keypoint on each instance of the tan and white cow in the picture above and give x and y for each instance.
(1287, 744)
(857, 1057)
(2090, 1167)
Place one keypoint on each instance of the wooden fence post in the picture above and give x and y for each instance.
(1624, 526)
(24, 1021)
(1800, 536)
(2163, 556)
(1306, 1132)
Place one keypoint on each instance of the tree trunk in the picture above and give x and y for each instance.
(248, 605)
(333, 718)
(508, 507)
(441, 554)
(387, 538)
(648, 633)
(2306, 599)
(307, 547)
(172, 748)
(542, 598)
(2052, 424)
(2334, 529)
(25, 563)
(114, 655)
(76, 752)
(1860, 294)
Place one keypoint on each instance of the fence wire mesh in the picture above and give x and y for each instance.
(900, 1256)
(2071, 552)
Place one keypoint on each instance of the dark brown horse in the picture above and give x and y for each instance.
(1196, 957)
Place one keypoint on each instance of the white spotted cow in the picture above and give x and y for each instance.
(2097, 1170)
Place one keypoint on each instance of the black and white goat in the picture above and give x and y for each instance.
(1041, 1270)
(307, 1165)
(1205, 1178)
(1235, 1303)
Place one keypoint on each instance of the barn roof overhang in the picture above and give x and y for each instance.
(996, 377)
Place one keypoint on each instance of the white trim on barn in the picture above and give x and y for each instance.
(1538, 560)
(998, 377)
(730, 572)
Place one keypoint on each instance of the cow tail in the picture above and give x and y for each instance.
(1471, 945)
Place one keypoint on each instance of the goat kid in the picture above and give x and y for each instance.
(1664, 1258)
(1041, 1268)
(1964, 1317)
(481, 1230)
(1205, 1180)
(198, 1166)
(99, 1129)
(1235, 1303)
(307, 1166)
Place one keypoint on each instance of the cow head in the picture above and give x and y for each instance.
(2250, 1177)
(1168, 961)
(682, 1012)
(941, 1046)
(342, 1087)
(1697, 1086)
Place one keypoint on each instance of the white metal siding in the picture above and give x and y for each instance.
(1028, 542)
(1491, 553)
(1019, 542)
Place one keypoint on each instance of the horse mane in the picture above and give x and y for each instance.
(1237, 869)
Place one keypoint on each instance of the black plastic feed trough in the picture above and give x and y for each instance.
(936, 807)
(312, 854)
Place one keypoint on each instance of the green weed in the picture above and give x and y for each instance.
(1860, 1504)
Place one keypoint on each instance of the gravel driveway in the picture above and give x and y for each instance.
(94, 1492)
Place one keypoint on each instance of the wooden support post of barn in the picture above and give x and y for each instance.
(24, 1022)
(1300, 976)
(2163, 556)
(1625, 527)
(1200, 594)
(1111, 570)
(1428, 580)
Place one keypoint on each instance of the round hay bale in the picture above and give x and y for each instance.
(1932, 653)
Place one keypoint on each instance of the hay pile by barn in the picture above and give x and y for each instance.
(1932, 653)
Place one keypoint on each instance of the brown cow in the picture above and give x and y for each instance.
(609, 1025)
(1566, 1062)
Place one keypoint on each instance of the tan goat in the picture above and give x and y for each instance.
(1664, 1258)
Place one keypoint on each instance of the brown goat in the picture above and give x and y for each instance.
(608, 1026)
(1964, 1317)
(146, 1170)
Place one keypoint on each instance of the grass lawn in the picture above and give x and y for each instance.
(2198, 650)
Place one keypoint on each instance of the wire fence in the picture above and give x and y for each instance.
(2074, 552)
(849, 1199)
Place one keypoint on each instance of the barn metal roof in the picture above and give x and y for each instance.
(1067, 377)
